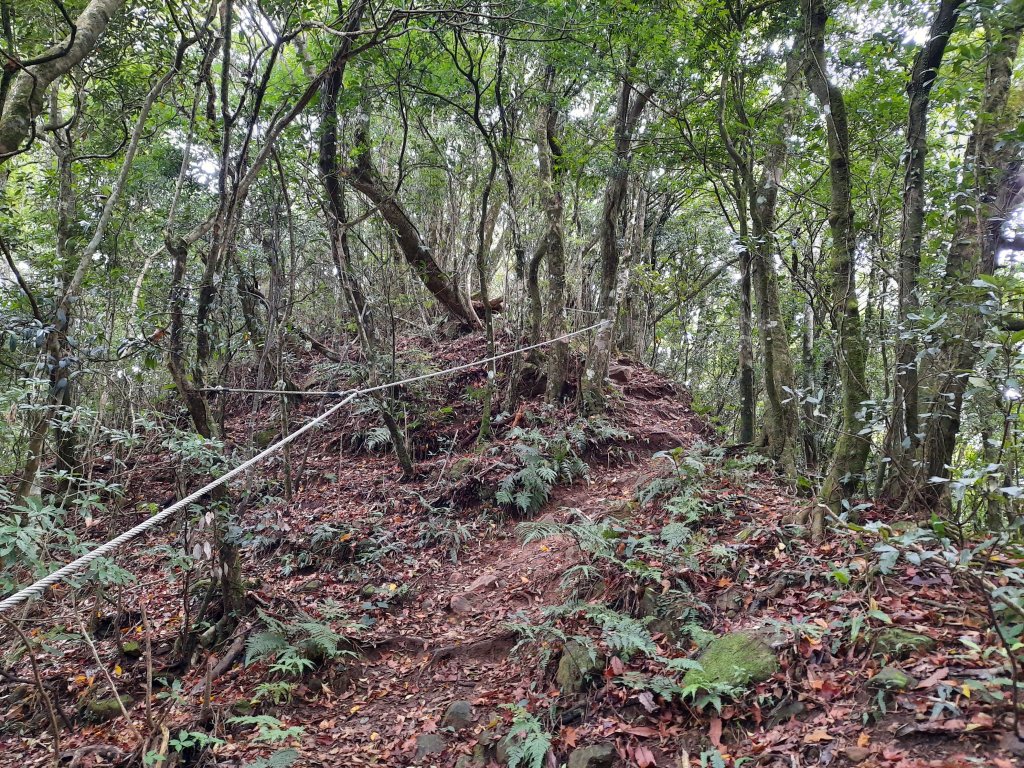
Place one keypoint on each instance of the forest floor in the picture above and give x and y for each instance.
(440, 602)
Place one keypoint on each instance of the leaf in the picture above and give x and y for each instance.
(715, 732)
(817, 736)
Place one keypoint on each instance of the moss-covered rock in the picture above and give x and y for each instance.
(899, 643)
(264, 437)
(594, 756)
(132, 649)
(577, 665)
(458, 715)
(102, 710)
(891, 679)
(733, 660)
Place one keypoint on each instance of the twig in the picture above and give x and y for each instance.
(106, 674)
(54, 728)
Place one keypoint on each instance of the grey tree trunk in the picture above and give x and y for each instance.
(851, 450)
(903, 438)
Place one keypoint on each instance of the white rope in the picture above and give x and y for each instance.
(36, 589)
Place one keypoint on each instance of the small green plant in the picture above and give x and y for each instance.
(529, 743)
(295, 647)
(270, 728)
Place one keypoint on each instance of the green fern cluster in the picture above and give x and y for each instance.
(529, 743)
(296, 647)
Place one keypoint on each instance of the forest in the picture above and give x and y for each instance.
(522, 383)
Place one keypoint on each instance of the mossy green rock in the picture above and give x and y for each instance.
(891, 679)
(101, 710)
(577, 664)
(900, 643)
(733, 660)
(459, 715)
(264, 437)
(596, 756)
(132, 649)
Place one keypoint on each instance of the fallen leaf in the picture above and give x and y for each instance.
(817, 736)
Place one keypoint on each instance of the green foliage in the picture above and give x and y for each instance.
(270, 728)
(283, 758)
(297, 646)
(529, 742)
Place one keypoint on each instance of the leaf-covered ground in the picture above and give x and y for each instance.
(406, 596)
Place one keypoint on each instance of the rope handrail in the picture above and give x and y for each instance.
(401, 382)
(39, 587)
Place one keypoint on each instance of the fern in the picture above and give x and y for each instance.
(285, 758)
(261, 645)
(529, 742)
(675, 535)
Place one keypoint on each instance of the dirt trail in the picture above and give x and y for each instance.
(452, 641)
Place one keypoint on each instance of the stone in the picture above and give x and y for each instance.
(891, 679)
(459, 715)
(673, 613)
(596, 756)
(264, 437)
(483, 581)
(460, 468)
(428, 744)
(102, 710)
(733, 660)
(132, 649)
(621, 374)
(461, 605)
(577, 664)
(899, 643)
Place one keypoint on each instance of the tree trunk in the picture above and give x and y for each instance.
(629, 107)
(549, 154)
(367, 181)
(851, 450)
(903, 438)
(991, 182)
(24, 99)
(748, 402)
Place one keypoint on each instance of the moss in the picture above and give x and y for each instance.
(891, 679)
(900, 643)
(576, 665)
(101, 710)
(733, 661)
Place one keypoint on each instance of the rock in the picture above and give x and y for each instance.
(891, 679)
(132, 649)
(241, 707)
(733, 660)
(102, 710)
(596, 756)
(459, 715)
(504, 745)
(857, 754)
(459, 469)
(673, 613)
(265, 437)
(469, 761)
(461, 605)
(428, 744)
(483, 581)
(620, 374)
(576, 665)
(899, 643)
(313, 585)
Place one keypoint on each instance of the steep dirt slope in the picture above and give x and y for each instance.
(440, 608)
